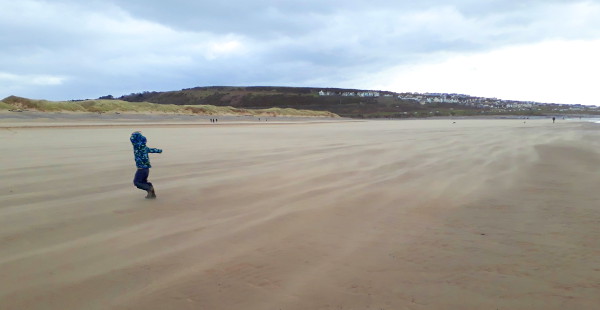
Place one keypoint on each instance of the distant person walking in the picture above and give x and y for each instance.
(142, 162)
(553, 119)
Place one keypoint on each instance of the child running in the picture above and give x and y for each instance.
(142, 161)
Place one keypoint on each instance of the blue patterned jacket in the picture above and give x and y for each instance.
(140, 150)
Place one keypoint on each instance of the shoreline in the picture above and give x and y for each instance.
(38, 120)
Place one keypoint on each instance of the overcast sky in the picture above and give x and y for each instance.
(540, 50)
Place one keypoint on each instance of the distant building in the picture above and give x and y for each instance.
(326, 93)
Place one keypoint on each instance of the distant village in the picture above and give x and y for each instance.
(359, 103)
(468, 101)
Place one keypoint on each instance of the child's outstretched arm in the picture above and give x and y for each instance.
(153, 150)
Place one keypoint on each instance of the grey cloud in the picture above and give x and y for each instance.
(121, 46)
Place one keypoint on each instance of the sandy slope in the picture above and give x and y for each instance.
(495, 214)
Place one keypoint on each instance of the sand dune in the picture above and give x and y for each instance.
(481, 214)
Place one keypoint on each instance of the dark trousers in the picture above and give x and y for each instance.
(141, 179)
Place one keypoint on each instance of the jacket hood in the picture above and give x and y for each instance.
(137, 139)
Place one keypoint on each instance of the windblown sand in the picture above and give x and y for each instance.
(480, 214)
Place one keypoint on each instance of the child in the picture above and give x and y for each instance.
(140, 152)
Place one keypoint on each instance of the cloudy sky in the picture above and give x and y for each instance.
(541, 50)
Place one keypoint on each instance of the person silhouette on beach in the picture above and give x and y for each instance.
(553, 119)
(142, 162)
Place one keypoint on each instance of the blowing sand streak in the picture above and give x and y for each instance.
(481, 214)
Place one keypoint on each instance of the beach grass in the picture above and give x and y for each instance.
(5, 106)
(108, 106)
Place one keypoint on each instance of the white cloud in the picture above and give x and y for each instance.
(554, 71)
(31, 79)
(18, 84)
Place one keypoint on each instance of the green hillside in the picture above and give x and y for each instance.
(283, 97)
(356, 103)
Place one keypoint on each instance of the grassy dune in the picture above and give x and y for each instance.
(107, 106)
(5, 106)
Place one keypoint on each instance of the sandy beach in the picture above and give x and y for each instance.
(415, 214)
